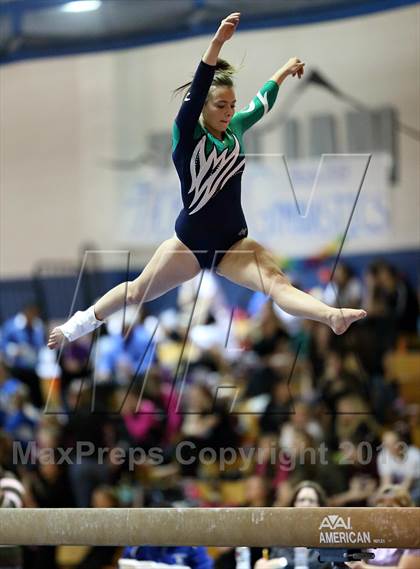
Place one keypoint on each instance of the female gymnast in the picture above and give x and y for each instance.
(211, 231)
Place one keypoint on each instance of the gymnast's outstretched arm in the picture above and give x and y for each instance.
(266, 96)
(293, 67)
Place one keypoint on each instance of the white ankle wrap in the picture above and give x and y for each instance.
(81, 323)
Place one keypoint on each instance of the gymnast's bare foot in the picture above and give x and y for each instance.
(55, 339)
(342, 318)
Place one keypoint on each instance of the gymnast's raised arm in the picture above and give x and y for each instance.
(293, 67)
(266, 96)
(191, 108)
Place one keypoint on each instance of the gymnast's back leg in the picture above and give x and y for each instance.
(249, 264)
(171, 265)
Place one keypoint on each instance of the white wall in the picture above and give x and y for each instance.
(62, 118)
(56, 120)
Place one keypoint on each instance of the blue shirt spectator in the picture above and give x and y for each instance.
(9, 386)
(119, 356)
(22, 338)
(8, 390)
(194, 557)
(21, 421)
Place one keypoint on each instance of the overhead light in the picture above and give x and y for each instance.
(82, 6)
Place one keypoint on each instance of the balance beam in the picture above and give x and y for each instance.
(287, 527)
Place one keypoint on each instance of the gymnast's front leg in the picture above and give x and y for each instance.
(249, 264)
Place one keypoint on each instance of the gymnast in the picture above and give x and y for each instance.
(211, 231)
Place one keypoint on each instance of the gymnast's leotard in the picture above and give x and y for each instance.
(210, 171)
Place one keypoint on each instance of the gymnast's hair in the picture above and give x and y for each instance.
(223, 77)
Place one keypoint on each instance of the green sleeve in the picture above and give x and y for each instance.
(175, 136)
(257, 108)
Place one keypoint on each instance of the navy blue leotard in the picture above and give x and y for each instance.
(210, 171)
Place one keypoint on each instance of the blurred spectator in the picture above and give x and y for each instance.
(256, 307)
(358, 440)
(268, 332)
(22, 419)
(87, 431)
(193, 557)
(257, 495)
(356, 457)
(344, 289)
(278, 409)
(128, 350)
(307, 494)
(22, 338)
(273, 463)
(378, 333)
(209, 360)
(212, 335)
(339, 378)
(360, 486)
(48, 433)
(391, 497)
(143, 420)
(257, 492)
(399, 298)
(74, 363)
(9, 386)
(101, 557)
(355, 421)
(150, 411)
(399, 463)
(201, 298)
(320, 340)
(259, 378)
(306, 460)
(207, 423)
(204, 312)
(390, 296)
(47, 487)
(300, 418)
(12, 495)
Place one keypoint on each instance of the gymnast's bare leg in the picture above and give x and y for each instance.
(171, 265)
(249, 264)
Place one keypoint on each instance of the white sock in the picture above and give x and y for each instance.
(81, 323)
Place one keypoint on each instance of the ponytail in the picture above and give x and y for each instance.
(223, 74)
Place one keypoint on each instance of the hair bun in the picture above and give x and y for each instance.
(225, 68)
(223, 74)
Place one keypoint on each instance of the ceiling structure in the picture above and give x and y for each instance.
(46, 28)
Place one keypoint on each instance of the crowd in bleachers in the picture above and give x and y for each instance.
(205, 406)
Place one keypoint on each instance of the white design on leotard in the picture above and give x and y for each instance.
(222, 168)
(264, 101)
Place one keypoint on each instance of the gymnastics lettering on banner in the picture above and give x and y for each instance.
(293, 207)
(297, 207)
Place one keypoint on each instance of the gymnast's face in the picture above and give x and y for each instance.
(219, 109)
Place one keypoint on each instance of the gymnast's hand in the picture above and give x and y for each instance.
(294, 67)
(227, 28)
